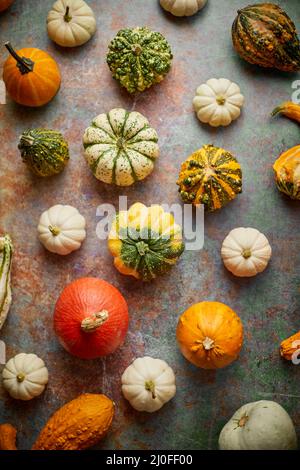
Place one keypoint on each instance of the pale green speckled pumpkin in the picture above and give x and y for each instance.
(120, 147)
(139, 58)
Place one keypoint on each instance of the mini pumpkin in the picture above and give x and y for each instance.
(45, 152)
(145, 241)
(218, 102)
(246, 252)
(31, 76)
(210, 335)
(121, 147)
(77, 425)
(261, 425)
(211, 176)
(290, 348)
(139, 58)
(263, 34)
(91, 318)
(148, 384)
(25, 376)
(183, 7)
(71, 23)
(6, 254)
(287, 172)
(61, 229)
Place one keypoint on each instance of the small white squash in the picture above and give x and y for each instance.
(246, 252)
(121, 147)
(148, 384)
(183, 7)
(218, 102)
(261, 425)
(71, 23)
(61, 229)
(25, 376)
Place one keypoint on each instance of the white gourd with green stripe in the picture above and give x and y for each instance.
(6, 249)
(121, 147)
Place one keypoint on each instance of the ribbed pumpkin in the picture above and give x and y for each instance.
(4, 4)
(121, 147)
(44, 151)
(139, 58)
(211, 176)
(210, 335)
(79, 424)
(288, 109)
(287, 172)
(91, 318)
(290, 346)
(31, 76)
(264, 35)
(145, 241)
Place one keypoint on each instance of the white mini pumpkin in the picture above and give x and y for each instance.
(183, 7)
(25, 376)
(71, 23)
(61, 229)
(261, 425)
(121, 147)
(148, 384)
(246, 252)
(218, 102)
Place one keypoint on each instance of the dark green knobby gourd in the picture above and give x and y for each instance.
(44, 151)
(138, 58)
(263, 34)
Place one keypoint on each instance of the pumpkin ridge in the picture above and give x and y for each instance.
(146, 126)
(95, 164)
(112, 136)
(131, 166)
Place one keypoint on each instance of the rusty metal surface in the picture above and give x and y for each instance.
(268, 304)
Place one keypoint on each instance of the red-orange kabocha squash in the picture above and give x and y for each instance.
(31, 76)
(210, 335)
(5, 4)
(91, 318)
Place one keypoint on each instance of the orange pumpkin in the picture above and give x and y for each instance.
(31, 76)
(290, 346)
(210, 335)
(4, 4)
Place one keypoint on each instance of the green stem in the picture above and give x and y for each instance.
(67, 17)
(150, 387)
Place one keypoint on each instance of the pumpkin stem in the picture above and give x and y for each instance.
(24, 65)
(20, 377)
(54, 230)
(247, 253)
(137, 49)
(221, 100)
(67, 17)
(243, 421)
(91, 323)
(150, 387)
(208, 343)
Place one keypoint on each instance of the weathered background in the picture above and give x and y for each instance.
(268, 304)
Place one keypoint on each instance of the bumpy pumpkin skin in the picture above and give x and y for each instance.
(210, 335)
(121, 147)
(290, 346)
(264, 35)
(139, 58)
(145, 242)
(211, 176)
(287, 172)
(44, 151)
(79, 424)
